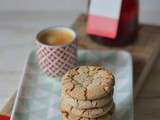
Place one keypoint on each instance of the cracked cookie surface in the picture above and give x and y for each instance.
(87, 82)
(87, 113)
(85, 104)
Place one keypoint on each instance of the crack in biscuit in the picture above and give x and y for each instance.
(71, 108)
(89, 113)
(88, 82)
(85, 94)
(80, 104)
(65, 113)
(72, 88)
(88, 70)
(106, 116)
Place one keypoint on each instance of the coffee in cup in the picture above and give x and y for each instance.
(56, 50)
(56, 37)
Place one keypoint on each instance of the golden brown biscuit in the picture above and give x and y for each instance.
(88, 113)
(86, 104)
(68, 116)
(87, 82)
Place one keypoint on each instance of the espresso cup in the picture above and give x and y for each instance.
(56, 50)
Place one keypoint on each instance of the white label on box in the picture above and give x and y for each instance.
(108, 8)
(104, 17)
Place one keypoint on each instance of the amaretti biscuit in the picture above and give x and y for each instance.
(88, 82)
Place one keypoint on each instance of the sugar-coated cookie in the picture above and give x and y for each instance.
(86, 104)
(87, 82)
(88, 113)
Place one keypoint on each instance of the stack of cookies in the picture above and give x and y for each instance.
(87, 94)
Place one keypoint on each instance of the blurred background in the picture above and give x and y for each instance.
(20, 20)
(149, 10)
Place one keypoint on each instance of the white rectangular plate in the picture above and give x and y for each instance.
(38, 96)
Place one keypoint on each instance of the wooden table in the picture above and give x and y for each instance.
(147, 104)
